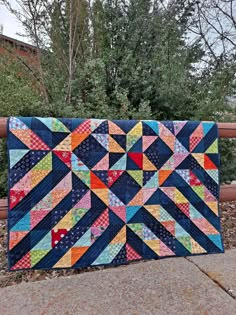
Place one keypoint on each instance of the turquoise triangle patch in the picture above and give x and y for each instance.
(120, 164)
(45, 243)
(179, 231)
(131, 211)
(153, 181)
(214, 175)
(216, 239)
(164, 215)
(153, 125)
(77, 164)
(114, 249)
(207, 126)
(46, 121)
(23, 224)
(16, 155)
(85, 240)
(103, 258)
(194, 213)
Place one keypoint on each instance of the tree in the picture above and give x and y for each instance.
(214, 21)
(18, 96)
(133, 59)
(19, 93)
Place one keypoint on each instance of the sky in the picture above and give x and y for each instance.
(10, 24)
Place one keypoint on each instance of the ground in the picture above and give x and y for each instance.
(228, 214)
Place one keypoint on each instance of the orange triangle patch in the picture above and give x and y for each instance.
(138, 199)
(16, 237)
(96, 182)
(163, 175)
(147, 164)
(77, 252)
(64, 145)
(114, 147)
(120, 237)
(208, 164)
(103, 194)
(77, 138)
(65, 261)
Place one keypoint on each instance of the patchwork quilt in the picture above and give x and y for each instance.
(98, 192)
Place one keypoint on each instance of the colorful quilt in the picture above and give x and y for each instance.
(99, 192)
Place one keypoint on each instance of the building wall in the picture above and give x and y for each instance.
(13, 48)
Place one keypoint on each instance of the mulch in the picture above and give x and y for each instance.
(228, 219)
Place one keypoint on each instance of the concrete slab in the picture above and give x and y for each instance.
(220, 268)
(169, 286)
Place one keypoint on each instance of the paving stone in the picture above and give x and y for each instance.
(221, 268)
(168, 286)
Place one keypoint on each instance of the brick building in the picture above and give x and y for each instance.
(16, 48)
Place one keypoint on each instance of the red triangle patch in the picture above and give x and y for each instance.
(84, 127)
(65, 156)
(23, 263)
(194, 181)
(184, 207)
(103, 220)
(131, 254)
(16, 196)
(57, 235)
(36, 143)
(137, 158)
(113, 176)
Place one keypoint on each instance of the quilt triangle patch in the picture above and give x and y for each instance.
(114, 129)
(131, 253)
(96, 182)
(208, 164)
(213, 148)
(16, 156)
(103, 220)
(137, 158)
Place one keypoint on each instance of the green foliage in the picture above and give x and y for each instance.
(17, 93)
(3, 168)
(228, 160)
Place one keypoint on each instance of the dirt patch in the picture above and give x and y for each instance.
(228, 219)
(228, 212)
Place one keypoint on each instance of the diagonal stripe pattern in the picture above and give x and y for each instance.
(98, 192)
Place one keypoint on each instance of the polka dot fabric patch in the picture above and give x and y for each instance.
(88, 192)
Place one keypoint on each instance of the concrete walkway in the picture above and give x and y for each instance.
(197, 285)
